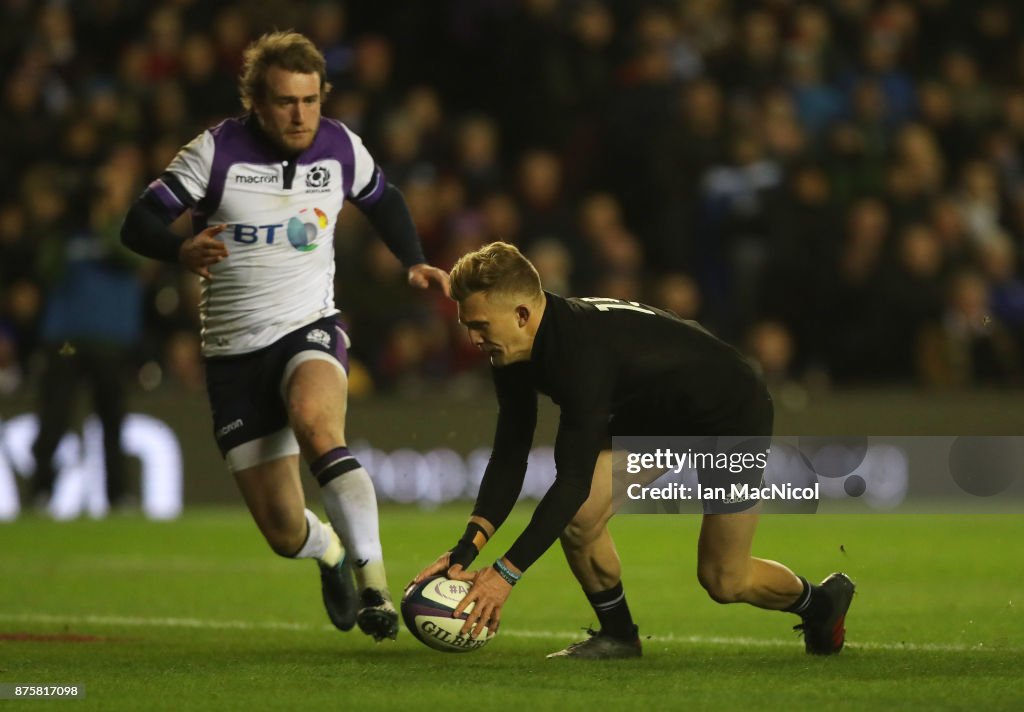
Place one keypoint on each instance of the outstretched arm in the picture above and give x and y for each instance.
(575, 454)
(389, 214)
(582, 430)
(506, 469)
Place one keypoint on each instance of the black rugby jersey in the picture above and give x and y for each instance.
(606, 362)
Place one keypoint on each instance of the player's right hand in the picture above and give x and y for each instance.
(198, 253)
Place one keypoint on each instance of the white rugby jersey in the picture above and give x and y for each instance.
(280, 216)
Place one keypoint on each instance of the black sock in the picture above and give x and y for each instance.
(813, 601)
(613, 612)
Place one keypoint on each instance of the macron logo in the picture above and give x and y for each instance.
(233, 425)
(256, 179)
(319, 336)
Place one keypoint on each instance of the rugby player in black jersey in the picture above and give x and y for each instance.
(613, 368)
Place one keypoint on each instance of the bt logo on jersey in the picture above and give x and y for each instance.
(300, 230)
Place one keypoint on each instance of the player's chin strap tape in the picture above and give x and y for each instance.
(510, 576)
(469, 546)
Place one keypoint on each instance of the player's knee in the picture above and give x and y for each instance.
(723, 585)
(578, 534)
(314, 428)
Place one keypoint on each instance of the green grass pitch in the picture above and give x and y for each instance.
(198, 614)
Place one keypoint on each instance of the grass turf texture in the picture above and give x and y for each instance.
(197, 614)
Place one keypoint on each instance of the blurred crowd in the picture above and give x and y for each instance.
(837, 187)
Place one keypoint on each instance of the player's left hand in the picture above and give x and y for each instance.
(423, 275)
(489, 591)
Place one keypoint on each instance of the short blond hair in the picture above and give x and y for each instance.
(288, 50)
(497, 268)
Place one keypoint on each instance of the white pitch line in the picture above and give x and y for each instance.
(130, 621)
(134, 622)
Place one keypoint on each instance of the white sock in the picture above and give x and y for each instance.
(351, 505)
(321, 544)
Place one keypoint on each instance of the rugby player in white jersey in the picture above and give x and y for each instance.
(265, 190)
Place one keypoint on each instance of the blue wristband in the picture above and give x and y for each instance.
(511, 578)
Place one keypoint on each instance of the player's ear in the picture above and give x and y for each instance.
(522, 314)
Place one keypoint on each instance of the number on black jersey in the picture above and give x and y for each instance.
(607, 303)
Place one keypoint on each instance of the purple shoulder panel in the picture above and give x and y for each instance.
(372, 193)
(333, 141)
(233, 142)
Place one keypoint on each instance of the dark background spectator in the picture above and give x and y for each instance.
(836, 186)
(91, 317)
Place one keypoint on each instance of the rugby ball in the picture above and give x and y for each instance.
(427, 609)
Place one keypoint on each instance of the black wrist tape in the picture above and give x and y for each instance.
(472, 541)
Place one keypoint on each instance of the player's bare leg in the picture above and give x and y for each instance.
(592, 557)
(273, 492)
(730, 574)
(316, 399)
(587, 544)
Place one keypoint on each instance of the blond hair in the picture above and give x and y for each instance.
(497, 268)
(288, 50)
